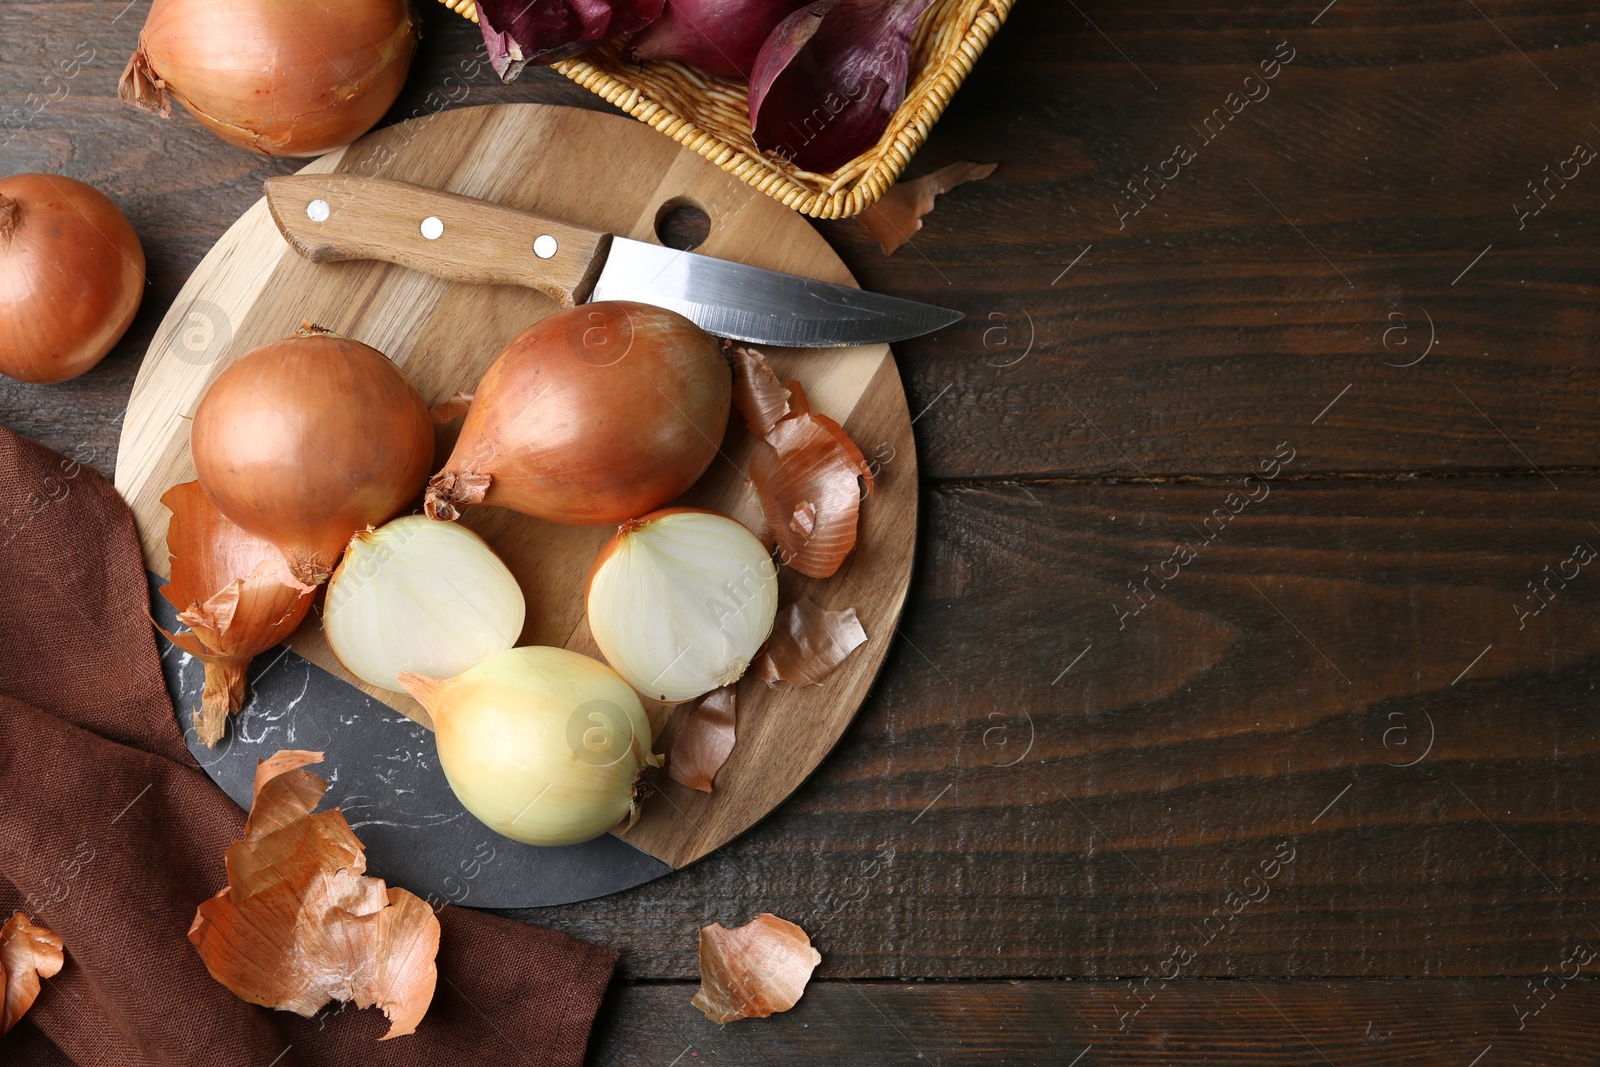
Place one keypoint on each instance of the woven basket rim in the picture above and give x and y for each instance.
(853, 187)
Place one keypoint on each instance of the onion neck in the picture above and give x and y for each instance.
(311, 329)
(9, 210)
(426, 691)
(142, 87)
(449, 491)
(223, 694)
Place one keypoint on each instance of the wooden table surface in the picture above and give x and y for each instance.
(1248, 675)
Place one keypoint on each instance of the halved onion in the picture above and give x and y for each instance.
(681, 600)
(421, 596)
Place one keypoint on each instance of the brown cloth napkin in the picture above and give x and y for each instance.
(111, 835)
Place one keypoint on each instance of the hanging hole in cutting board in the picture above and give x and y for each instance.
(683, 224)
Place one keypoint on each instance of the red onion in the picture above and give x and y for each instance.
(520, 32)
(720, 36)
(830, 77)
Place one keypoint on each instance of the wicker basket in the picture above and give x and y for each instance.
(710, 114)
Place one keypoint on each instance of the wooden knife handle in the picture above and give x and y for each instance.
(332, 217)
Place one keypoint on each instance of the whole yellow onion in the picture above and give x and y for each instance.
(543, 745)
(281, 77)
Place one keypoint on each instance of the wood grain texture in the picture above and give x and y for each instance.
(1088, 411)
(1075, 1024)
(1033, 791)
(445, 333)
(478, 243)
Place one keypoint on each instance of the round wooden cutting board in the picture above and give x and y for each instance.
(598, 171)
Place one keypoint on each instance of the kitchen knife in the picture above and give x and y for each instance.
(332, 217)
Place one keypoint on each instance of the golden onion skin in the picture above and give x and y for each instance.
(280, 77)
(593, 415)
(542, 745)
(72, 275)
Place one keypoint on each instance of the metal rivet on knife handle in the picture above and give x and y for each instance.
(432, 227)
(544, 246)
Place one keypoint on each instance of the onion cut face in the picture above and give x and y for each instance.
(420, 596)
(308, 440)
(593, 415)
(543, 745)
(280, 77)
(680, 602)
(71, 277)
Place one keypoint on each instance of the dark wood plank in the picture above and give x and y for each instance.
(179, 185)
(1033, 791)
(1093, 1024)
(1396, 141)
(1172, 759)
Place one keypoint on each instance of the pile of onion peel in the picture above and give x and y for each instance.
(892, 220)
(27, 954)
(805, 470)
(704, 740)
(299, 924)
(807, 643)
(755, 970)
(234, 592)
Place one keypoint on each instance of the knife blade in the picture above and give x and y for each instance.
(337, 217)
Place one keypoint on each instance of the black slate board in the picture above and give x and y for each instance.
(382, 771)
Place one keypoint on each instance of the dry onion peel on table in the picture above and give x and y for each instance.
(422, 597)
(542, 745)
(593, 415)
(758, 394)
(704, 740)
(754, 970)
(807, 643)
(843, 62)
(307, 441)
(71, 276)
(679, 601)
(805, 470)
(27, 954)
(299, 924)
(280, 77)
(234, 592)
(539, 32)
(893, 219)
